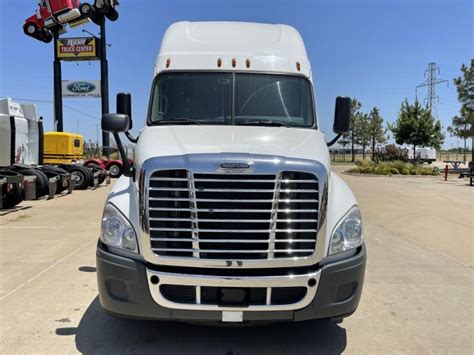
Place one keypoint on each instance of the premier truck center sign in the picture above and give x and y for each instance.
(80, 48)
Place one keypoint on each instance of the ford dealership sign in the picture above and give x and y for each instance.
(81, 88)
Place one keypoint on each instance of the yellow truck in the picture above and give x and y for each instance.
(62, 147)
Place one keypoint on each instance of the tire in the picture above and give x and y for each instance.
(112, 14)
(82, 177)
(48, 37)
(30, 28)
(42, 180)
(115, 169)
(95, 167)
(86, 9)
(89, 172)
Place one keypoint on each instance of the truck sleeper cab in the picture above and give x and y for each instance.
(230, 212)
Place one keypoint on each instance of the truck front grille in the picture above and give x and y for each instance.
(239, 216)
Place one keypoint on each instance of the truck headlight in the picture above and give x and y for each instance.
(348, 232)
(116, 230)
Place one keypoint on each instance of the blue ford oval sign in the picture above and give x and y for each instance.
(81, 88)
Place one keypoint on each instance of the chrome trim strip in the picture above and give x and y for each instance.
(226, 281)
(194, 216)
(237, 251)
(230, 190)
(288, 210)
(274, 216)
(289, 220)
(233, 230)
(231, 240)
(285, 200)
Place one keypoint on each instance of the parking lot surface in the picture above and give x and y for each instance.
(417, 298)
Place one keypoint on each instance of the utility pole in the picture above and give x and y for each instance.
(431, 80)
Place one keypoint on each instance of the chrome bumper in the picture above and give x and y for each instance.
(267, 282)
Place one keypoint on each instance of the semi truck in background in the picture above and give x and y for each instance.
(43, 163)
(423, 155)
(231, 212)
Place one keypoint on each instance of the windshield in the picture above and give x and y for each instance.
(232, 98)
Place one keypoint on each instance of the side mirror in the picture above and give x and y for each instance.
(342, 115)
(115, 122)
(124, 105)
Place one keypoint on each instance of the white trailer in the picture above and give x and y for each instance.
(423, 154)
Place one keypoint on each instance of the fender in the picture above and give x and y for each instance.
(124, 196)
(341, 199)
(114, 161)
(99, 162)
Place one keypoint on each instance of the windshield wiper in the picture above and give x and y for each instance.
(178, 121)
(264, 123)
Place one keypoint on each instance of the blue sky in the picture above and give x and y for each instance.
(372, 50)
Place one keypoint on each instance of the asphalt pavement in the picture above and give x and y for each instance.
(417, 298)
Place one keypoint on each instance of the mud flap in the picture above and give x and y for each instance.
(96, 179)
(2, 182)
(52, 187)
(71, 184)
(29, 188)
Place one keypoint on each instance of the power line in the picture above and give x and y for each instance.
(50, 102)
(431, 81)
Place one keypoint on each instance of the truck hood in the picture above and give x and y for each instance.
(179, 140)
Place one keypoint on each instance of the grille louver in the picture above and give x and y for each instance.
(241, 216)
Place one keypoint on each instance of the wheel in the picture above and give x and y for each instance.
(85, 9)
(30, 28)
(112, 14)
(48, 37)
(42, 180)
(82, 177)
(89, 172)
(115, 169)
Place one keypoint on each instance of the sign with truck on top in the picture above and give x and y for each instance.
(79, 48)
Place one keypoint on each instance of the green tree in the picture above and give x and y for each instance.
(376, 130)
(415, 126)
(362, 131)
(463, 125)
(355, 113)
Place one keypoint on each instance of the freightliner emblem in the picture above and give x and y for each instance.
(235, 167)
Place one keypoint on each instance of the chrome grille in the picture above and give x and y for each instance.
(240, 216)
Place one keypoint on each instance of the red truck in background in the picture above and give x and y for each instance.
(52, 15)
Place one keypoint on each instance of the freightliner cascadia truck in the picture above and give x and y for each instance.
(230, 211)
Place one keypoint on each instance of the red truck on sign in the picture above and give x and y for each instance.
(51, 15)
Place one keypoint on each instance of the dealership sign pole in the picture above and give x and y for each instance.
(104, 85)
(58, 99)
(46, 25)
(69, 49)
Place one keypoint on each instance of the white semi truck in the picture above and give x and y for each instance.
(230, 212)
